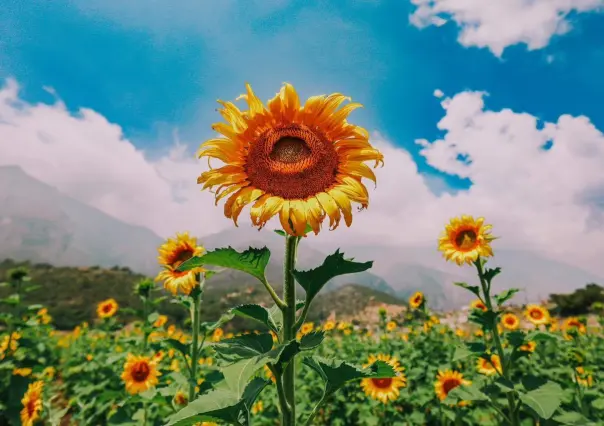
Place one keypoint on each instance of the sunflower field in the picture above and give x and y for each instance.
(300, 164)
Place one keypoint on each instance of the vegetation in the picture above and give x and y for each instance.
(580, 302)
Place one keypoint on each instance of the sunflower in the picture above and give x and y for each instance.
(329, 325)
(490, 366)
(416, 301)
(180, 398)
(584, 378)
(478, 304)
(300, 162)
(573, 323)
(23, 372)
(258, 407)
(107, 308)
(140, 373)
(536, 314)
(385, 389)
(448, 380)
(510, 321)
(465, 239)
(391, 326)
(217, 334)
(32, 404)
(160, 321)
(269, 374)
(529, 346)
(171, 255)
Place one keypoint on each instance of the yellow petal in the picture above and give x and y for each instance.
(357, 168)
(233, 115)
(291, 102)
(247, 195)
(265, 208)
(284, 217)
(344, 203)
(331, 208)
(298, 216)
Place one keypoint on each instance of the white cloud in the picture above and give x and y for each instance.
(546, 200)
(498, 24)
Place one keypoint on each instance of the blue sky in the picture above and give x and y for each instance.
(156, 68)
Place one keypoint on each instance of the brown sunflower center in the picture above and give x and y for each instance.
(417, 300)
(31, 407)
(382, 383)
(140, 371)
(510, 321)
(466, 239)
(292, 162)
(181, 256)
(107, 308)
(450, 384)
(536, 314)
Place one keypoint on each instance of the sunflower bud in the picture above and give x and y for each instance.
(143, 287)
(17, 274)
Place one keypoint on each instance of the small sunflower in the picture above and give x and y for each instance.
(574, 323)
(140, 373)
(307, 327)
(329, 325)
(536, 314)
(32, 404)
(258, 407)
(217, 334)
(416, 300)
(510, 321)
(107, 308)
(302, 163)
(171, 255)
(391, 326)
(584, 378)
(478, 304)
(465, 239)
(180, 398)
(23, 372)
(160, 321)
(489, 367)
(269, 374)
(529, 346)
(448, 380)
(385, 389)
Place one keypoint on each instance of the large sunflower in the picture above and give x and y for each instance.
(416, 300)
(536, 314)
(32, 403)
(140, 373)
(107, 308)
(478, 304)
(574, 323)
(171, 255)
(385, 389)
(465, 239)
(489, 367)
(302, 162)
(448, 380)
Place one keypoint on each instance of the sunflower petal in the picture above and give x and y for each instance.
(291, 102)
(298, 216)
(343, 202)
(284, 217)
(357, 168)
(331, 208)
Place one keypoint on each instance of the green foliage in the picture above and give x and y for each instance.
(578, 302)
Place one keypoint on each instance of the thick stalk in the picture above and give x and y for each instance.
(289, 331)
(145, 323)
(196, 296)
(497, 340)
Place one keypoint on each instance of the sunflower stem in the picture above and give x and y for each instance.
(196, 296)
(486, 289)
(145, 323)
(289, 322)
(315, 410)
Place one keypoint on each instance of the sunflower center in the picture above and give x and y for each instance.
(292, 162)
(31, 407)
(382, 383)
(450, 384)
(140, 372)
(290, 150)
(182, 256)
(535, 314)
(106, 308)
(466, 239)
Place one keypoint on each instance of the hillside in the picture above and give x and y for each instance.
(72, 293)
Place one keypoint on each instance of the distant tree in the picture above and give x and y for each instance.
(579, 302)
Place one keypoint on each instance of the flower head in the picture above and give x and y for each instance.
(510, 321)
(416, 300)
(140, 373)
(300, 162)
(107, 308)
(478, 304)
(448, 380)
(384, 389)
(32, 404)
(171, 255)
(536, 314)
(490, 366)
(465, 239)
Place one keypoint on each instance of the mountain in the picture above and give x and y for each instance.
(40, 224)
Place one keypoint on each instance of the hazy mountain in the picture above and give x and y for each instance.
(40, 224)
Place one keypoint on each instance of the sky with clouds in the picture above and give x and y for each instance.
(487, 108)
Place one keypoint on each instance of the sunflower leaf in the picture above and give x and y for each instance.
(252, 261)
(277, 316)
(313, 280)
(465, 393)
(538, 335)
(572, 418)
(312, 340)
(544, 400)
(505, 296)
(243, 347)
(490, 273)
(179, 346)
(258, 313)
(473, 288)
(336, 373)
(209, 326)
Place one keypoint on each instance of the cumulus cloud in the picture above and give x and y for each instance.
(540, 184)
(498, 24)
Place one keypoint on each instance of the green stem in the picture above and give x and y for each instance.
(280, 303)
(196, 296)
(289, 321)
(486, 289)
(145, 323)
(281, 393)
(315, 410)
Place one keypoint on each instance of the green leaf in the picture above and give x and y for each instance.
(489, 273)
(216, 405)
(336, 373)
(252, 261)
(209, 326)
(313, 280)
(181, 347)
(544, 400)
(504, 384)
(277, 316)
(516, 338)
(257, 313)
(598, 404)
(311, 340)
(573, 418)
(465, 393)
(473, 288)
(538, 335)
(505, 296)
(153, 317)
(243, 347)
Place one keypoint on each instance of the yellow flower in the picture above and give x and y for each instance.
(89, 357)
(180, 398)
(510, 321)
(384, 389)
(217, 334)
(347, 332)
(465, 239)
(32, 404)
(24, 372)
(343, 326)
(48, 373)
(488, 367)
(448, 380)
(140, 373)
(300, 162)
(258, 407)
(536, 314)
(479, 333)
(107, 308)
(529, 346)
(391, 326)
(405, 337)
(43, 316)
(573, 323)
(478, 304)
(460, 332)
(416, 301)
(160, 321)
(583, 378)
(175, 365)
(171, 255)
(307, 327)
(269, 374)
(329, 325)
